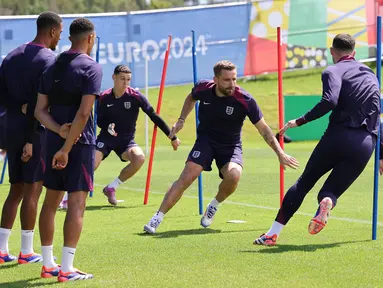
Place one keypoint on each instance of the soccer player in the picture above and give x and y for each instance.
(351, 92)
(20, 74)
(224, 106)
(69, 89)
(117, 116)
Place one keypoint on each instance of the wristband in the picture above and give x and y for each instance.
(182, 119)
(174, 138)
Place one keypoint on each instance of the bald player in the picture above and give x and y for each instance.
(351, 92)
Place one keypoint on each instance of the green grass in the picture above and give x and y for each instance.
(183, 254)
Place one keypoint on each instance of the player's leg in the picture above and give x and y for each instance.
(199, 159)
(321, 161)
(15, 195)
(8, 217)
(136, 158)
(33, 175)
(80, 181)
(229, 162)
(355, 159)
(174, 194)
(47, 228)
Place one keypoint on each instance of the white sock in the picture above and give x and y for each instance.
(27, 241)
(160, 215)
(48, 260)
(214, 203)
(65, 196)
(276, 228)
(116, 182)
(4, 236)
(67, 259)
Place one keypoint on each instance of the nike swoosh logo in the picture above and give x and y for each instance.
(206, 103)
(57, 81)
(109, 105)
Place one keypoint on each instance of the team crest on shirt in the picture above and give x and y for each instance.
(196, 154)
(127, 105)
(100, 145)
(229, 110)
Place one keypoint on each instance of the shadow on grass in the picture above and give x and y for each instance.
(197, 231)
(8, 266)
(27, 283)
(106, 207)
(303, 248)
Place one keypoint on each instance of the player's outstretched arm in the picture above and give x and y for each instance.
(268, 136)
(186, 109)
(42, 114)
(79, 121)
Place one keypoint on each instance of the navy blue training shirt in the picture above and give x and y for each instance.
(221, 118)
(351, 92)
(82, 76)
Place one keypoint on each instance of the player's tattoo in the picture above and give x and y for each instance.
(270, 139)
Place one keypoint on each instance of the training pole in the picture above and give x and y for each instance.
(155, 127)
(194, 57)
(147, 97)
(281, 114)
(377, 149)
(4, 168)
(95, 103)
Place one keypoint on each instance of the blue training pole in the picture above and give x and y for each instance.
(4, 168)
(377, 149)
(200, 194)
(95, 102)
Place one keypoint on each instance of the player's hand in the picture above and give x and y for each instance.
(176, 128)
(60, 160)
(24, 108)
(27, 152)
(175, 143)
(287, 160)
(381, 167)
(64, 131)
(290, 124)
(111, 129)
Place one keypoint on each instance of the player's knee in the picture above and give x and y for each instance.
(234, 175)
(139, 159)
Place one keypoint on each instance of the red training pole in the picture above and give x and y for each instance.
(164, 68)
(281, 114)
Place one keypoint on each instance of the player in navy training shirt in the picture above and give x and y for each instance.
(67, 94)
(223, 108)
(117, 114)
(20, 74)
(351, 92)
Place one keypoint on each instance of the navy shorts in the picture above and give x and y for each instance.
(31, 171)
(78, 174)
(206, 150)
(106, 143)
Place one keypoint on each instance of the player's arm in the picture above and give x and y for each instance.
(156, 119)
(331, 86)
(31, 105)
(101, 119)
(268, 136)
(79, 121)
(186, 109)
(42, 114)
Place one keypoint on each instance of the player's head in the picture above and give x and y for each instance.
(82, 33)
(49, 24)
(225, 77)
(121, 77)
(342, 45)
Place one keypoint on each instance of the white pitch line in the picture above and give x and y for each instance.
(253, 206)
